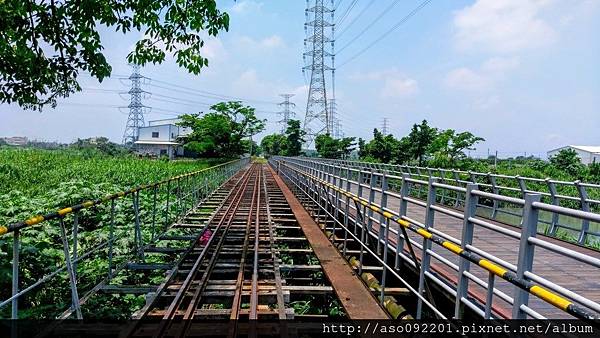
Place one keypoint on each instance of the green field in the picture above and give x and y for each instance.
(34, 181)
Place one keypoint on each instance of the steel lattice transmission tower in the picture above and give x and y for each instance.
(287, 111)
(317, 119)
(385, 126)
(135, 120)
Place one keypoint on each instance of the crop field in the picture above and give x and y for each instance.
(36, 182)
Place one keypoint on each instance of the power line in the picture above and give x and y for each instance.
(190, 90)
(402, 21)
(338, 5)
(211, 93)
(347, 12)
(382, 14)
(355, 19)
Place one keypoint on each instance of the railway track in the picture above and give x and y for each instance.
(250, 263)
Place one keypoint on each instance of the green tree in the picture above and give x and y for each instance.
(402, 151)
(421, 137)
(328, 147)
(346, 146)
(224, 132)
(274, 145)
(294, 138)
(362, 149)
(568, 161)
(449, 147)
(44, 45)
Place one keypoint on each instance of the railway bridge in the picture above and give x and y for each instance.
(311, 239)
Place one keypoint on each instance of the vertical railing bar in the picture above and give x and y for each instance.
(490, 296)
(111, 238)
(74, 294)
(466, 239)
(15, 274)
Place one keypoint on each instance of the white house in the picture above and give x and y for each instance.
(587, 154)
(161, 138)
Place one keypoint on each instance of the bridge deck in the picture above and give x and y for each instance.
(568, 273)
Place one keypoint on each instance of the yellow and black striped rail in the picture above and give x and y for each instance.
(534, 289)
(65, 211)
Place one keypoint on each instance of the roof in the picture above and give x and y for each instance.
(173, 120)
(166, 143)
(159, 125)
(589, 149)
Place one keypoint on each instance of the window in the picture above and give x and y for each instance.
(154, 134)
(163, 152)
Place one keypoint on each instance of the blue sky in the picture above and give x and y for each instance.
(523, 74)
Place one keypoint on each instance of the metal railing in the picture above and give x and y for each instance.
(132, 225)
(362, 198)
(575, 195)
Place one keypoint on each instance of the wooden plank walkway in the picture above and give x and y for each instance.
(575, 276)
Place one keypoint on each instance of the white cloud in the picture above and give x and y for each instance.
(503, 25)
(395, 83)
(466, 79)
(272, 41)
(249, 44)
(394, 87)
(483, 78)
(246, 6)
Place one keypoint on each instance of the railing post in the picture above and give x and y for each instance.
(496, 191)
(138, 232)
(73, 281)
(402, 212)
(555, 201)
(167, 206)
(526, 252)
(347, 210)
(585, 206)
(111, 238)
(457, 180)
(15, 274)
(369, 213)
(426, 243)
(75, 240)
(383, 203)
(471, 201)
(523, 188)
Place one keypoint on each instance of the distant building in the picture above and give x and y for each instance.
(16, 141)
(587, 154)
(161, 138)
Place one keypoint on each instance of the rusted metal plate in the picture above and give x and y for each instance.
(357, 300)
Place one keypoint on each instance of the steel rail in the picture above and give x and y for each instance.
(237, 298)
(190, 312)
(227, 203)
(254, 285)
(537, 290)
(278, 284)
(174, 306)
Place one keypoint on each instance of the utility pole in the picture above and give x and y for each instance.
(496, 160)
(287, 111)
(135, 120)
(317, 118)
(384, 127)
